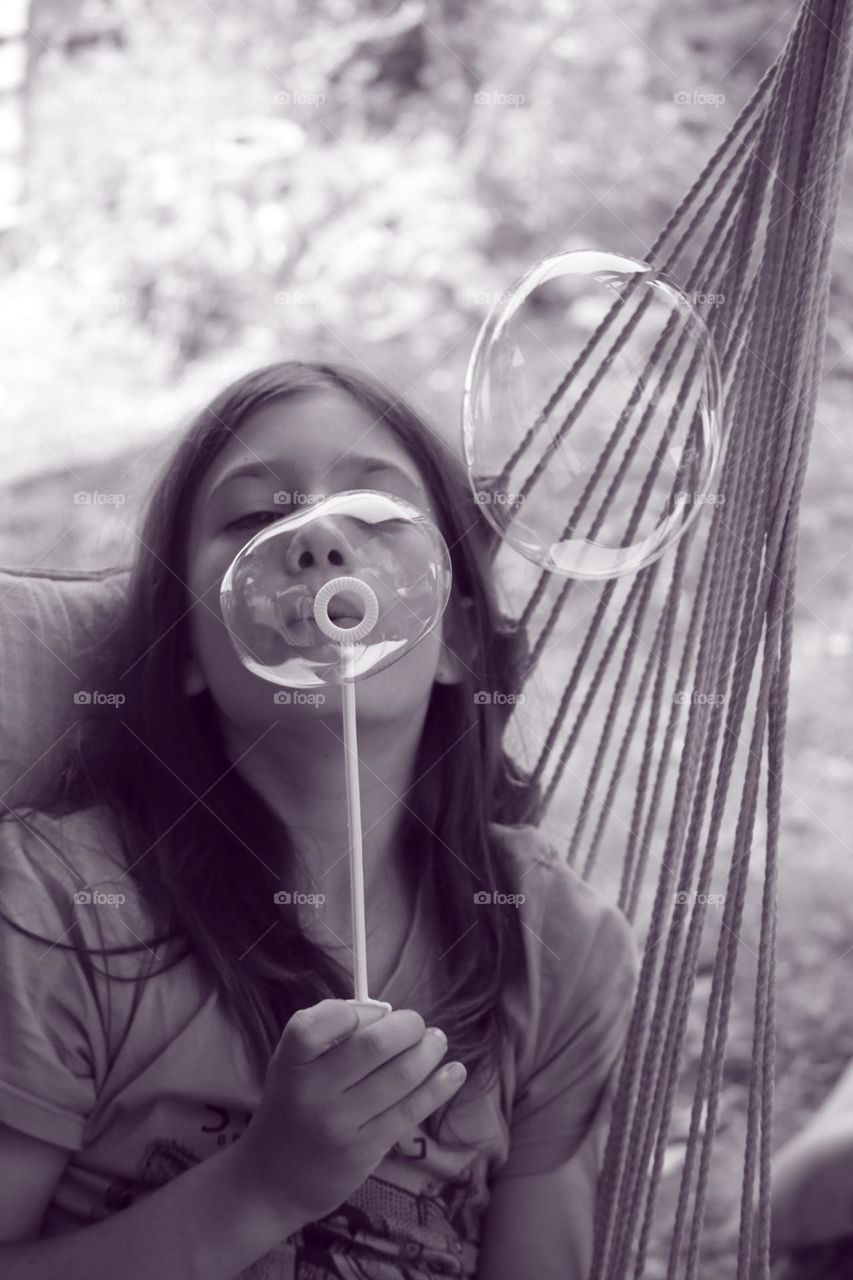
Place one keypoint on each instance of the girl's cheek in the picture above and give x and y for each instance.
(210, 635)
(205, 583)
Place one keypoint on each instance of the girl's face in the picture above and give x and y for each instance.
(310, 443)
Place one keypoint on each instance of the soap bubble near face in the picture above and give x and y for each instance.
(336, 592)
(578, 449)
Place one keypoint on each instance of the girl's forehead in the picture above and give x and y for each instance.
(322, 439)
(315, 429)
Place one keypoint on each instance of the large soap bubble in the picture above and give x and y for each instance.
(340, 590)
(582, 457)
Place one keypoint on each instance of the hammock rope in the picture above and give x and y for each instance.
(777, 176)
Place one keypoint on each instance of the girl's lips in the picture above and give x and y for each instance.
(304, 632)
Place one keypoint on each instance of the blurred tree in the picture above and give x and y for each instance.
(14, 82)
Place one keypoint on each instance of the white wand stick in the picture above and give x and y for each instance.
(348, 637)
(356, 861)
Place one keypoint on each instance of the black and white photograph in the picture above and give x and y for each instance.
(426, 640)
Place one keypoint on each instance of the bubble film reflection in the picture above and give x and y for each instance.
(592, 447)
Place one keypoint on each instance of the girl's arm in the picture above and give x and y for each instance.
(206, 1224)
(540, 1224)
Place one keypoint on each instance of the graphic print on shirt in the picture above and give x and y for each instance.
(162, 1160)
(423, 1223)
(358, 1241)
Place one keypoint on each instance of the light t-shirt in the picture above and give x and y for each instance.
(141, 1080)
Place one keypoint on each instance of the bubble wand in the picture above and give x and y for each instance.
(282, 630)
(346, 638)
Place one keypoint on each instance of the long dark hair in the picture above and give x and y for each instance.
(146, 762)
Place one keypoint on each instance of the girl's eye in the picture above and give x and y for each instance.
(252, 518)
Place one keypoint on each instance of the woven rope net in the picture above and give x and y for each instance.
(660, 772)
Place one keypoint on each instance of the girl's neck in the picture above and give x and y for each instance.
(301, 776)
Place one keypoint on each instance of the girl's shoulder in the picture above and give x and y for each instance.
(84, 841)
(571, 926)
(570, 1013)
(546, 878)
(55, 868)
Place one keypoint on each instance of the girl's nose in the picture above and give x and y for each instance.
(317, 550)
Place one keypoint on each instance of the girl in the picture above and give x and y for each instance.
(177, 1042)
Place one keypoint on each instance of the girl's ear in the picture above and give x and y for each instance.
(194, 681)
(450, 668)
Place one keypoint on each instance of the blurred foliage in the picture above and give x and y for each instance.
(216, 186)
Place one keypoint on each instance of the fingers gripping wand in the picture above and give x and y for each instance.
(347, 638)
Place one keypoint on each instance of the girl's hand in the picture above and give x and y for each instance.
(345, 1082)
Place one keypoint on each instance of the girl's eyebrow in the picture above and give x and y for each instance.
(260, 471)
